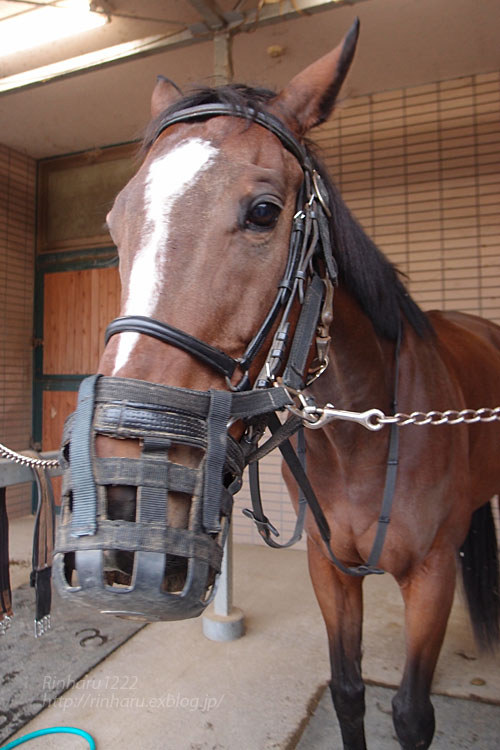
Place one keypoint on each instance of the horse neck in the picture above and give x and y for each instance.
(360, 375)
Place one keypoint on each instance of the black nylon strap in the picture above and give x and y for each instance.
(218, 418)
(43, 544)
(84, 517)
(389, 488)
(152, 499)
(391, 472)
(284, 432)
(264, 526)
(326, 246)
(135, 536)
(5, 588)
(152, 396)
(134, 473)
(293, 375)
(131, 421)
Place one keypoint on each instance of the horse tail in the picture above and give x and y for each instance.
(479, 556)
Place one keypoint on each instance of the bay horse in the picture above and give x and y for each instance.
(203, 232)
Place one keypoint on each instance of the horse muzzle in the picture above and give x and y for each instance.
(90, 536)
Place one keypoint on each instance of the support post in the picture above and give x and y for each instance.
(223, 621)
(223, 57)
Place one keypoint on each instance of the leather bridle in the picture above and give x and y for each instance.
(310, 222)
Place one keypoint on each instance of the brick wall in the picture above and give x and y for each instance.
(17, 239)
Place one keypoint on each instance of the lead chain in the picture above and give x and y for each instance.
(33, 463)
(450, 416)
(315, 417)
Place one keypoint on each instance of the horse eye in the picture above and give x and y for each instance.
(262, 216)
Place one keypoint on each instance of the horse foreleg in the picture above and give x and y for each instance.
(341, 603)
(428, 596)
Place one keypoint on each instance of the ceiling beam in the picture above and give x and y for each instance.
(210, 12)
(235, 23)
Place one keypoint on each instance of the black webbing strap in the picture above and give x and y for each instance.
(43, 549)
(264, 525)
(134, 472)
(284, 431)
(152, 497)
(293, 375)
(134, 421)
(84, 518)
(140, 536)
(139, 393)
(326, 246)
(391, 473)
(217, 423)
(5, 589)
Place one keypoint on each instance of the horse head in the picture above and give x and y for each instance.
(220, 243)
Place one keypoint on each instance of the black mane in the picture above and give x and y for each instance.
(364, 270)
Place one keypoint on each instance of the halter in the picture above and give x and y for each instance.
(161, 416)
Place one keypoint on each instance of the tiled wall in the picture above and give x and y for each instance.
(17, 238)
(420, 169)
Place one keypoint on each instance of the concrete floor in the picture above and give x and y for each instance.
(170, 687)
(460, 724)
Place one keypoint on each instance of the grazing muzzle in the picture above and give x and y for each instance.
(91, 539)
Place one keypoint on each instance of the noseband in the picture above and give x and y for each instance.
(160, 416)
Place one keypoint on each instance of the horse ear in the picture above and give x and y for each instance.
(309, 98)
(165, 93)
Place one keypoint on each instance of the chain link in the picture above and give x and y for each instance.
(450, 416)
(32, 463)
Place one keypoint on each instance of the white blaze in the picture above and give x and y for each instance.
(167, 180)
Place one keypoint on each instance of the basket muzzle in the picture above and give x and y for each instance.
(90, 538)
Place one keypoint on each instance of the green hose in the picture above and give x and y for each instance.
(51, 730)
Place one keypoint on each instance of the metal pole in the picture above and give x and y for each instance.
(223, 57)
(223, 622)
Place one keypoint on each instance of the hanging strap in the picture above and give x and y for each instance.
(5, 589)
(391, 471)
(264, 525)
(43, 548)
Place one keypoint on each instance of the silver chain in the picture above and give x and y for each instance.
(450, 416)
(33, 463)
(315, 417)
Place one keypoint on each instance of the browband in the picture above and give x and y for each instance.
(267, 120)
